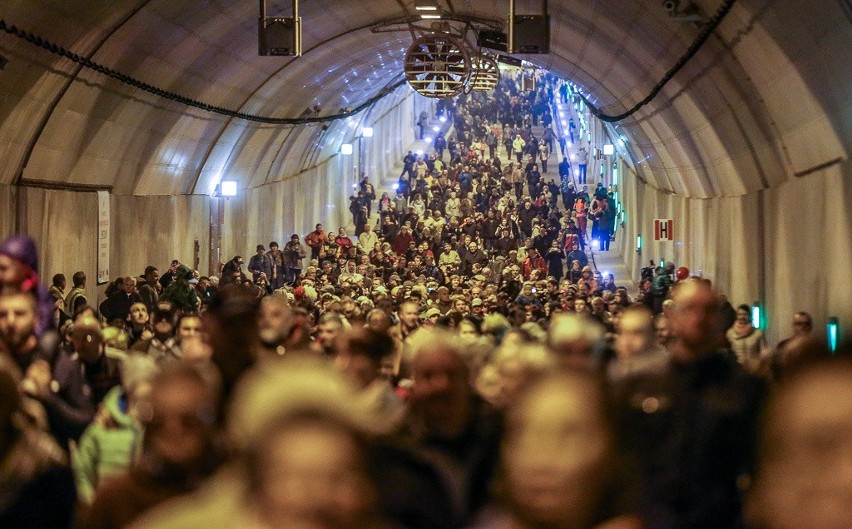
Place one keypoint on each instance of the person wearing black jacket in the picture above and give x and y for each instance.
(691, 425)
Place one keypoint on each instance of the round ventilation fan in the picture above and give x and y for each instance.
(437, 66)
(484, 73)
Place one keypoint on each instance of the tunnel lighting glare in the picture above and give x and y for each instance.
(367, 132)
(395, 187)
(596, 244)
(419, 152)
(442, 119)
(427, 139)
(426, 5)
(755, 315)
(609, 149)
(436, 129)
(346, 149)
(573, 156)
(354, 186)
(229, 188)
(576, 172)
(833, 333)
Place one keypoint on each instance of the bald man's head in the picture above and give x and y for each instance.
(695, 317)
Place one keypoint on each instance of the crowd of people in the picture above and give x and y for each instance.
(443, 368)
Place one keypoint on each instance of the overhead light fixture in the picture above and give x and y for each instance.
(346, 149)
(367, 132)
(430, 17)
(228, 188)
(609, 149)
(425, 5)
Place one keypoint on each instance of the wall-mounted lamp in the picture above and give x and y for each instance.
(639, 243)
(756, 315)
(832, 334)
(228, 188)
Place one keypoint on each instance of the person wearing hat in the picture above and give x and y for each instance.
(18, 264)
(260, 265)
(294, 253)
(162, 345)
(19, 273)
(180, 293)
(232, 271)
(430, 317)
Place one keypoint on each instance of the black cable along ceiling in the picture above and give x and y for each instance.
(706, 31)
(56, 49)
(160, 92)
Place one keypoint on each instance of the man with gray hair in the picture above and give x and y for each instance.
(575, 341)
(449, 433)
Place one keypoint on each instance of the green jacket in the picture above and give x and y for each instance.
(106, 447)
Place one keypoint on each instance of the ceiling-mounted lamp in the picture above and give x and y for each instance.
(430, 16)
(425, 5)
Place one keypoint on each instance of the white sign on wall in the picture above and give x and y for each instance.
(103, 237)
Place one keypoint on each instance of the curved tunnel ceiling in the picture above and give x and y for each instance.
(765, 99)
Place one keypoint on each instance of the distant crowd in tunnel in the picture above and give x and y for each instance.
(459, 362)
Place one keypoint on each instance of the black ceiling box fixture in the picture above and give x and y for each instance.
(530, 33)
(280, 36)
(510, 61)
(493, 40)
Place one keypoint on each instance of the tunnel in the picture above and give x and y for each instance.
(132, 114)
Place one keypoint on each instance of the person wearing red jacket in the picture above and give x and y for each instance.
(315, 240)
(534, 261)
